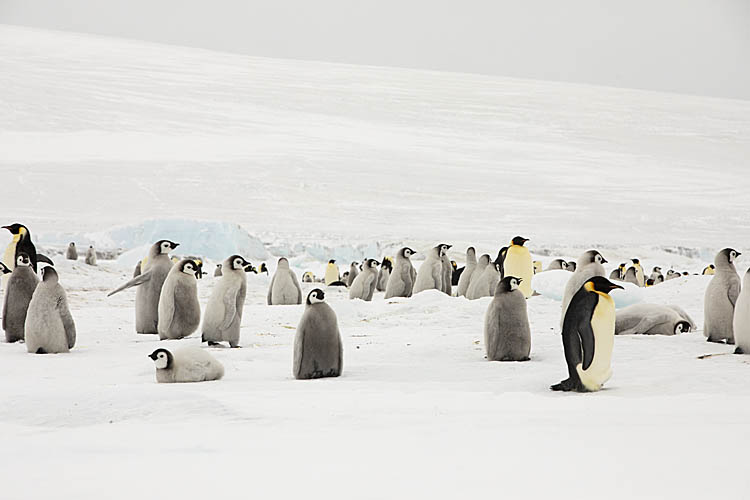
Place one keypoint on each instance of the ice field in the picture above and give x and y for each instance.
(111, 142)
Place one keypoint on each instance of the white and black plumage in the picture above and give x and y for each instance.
(318, 350)
(401, 281)
(589, 264)
(507, 336)
(363, 286)
(187, 364)
(21, 285)
(179, 309)
(353, 272)
(721, 296)
(49, 326)
(430, 274)
(284, 288)
(384, 273)
(221, 322)
(653, 319)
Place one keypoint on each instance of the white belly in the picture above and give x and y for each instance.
(603, 324)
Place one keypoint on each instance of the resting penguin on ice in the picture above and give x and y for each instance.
(430, 274)
(742, 318)
(557, 264)
(72, 252)
(386, 267)
(49, 327)
(507, 336)
(187, 364)
(652, 319)
(154, 270)
(517, 262)
(401, 281)
(318, 351)
(721, 296)
(221, 322)
(465, 278)
(710, 270)
(364, 284)
(284, 288)
(18, 293)
(588, 336)
(589, 265)
(179, 309)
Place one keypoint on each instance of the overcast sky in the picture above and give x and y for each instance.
(688, 46)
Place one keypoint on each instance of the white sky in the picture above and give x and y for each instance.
(688, 46)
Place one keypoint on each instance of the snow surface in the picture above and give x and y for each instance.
(319, 160)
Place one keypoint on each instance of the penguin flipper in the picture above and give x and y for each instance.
(68, 323)
(138, 280)
(270, 290)
(230, 309)
(733, 292)
(43, 258)
(586, 334)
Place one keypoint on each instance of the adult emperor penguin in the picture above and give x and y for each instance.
(709, 270)
(186, 364)
(590, 264)
(263, 269)
(21, 242)
(353, 272)
(284, 288)
(154, 270)
(318, 351)
(465, 279)
(537, 266)
(640, 275)
(402, 279)
(518, 263)
(20, 289)
(221, 322)
(653, 319)
(447, 267)
(721, 297)
(179, 309)
(588, 336)
(332, 273)
(507, 336)
(90, 256)
(49, 327)
(572, 266)
(430, 274)
(741, 323)
(557, 264)
(483, 283)
(364, 284)
(386, 268)
(72, 252)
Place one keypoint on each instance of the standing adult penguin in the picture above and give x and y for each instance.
(590, 264)
(364, 284)
(353, 272)
(21, 242)
(588, 336)
(507, 336)
(557, 264)
(49, 327)
(402, 279)
(154, 270)
(318, 350)
(741, 323)
(465, 279)
(263, 269)
(179, 309)
(332, 273)
(709, 270)
(90, 256)
(221, 322)
(721, 297)
(284, 288)
(72, 252)
(517, 262)
(20, 289)
(447, 273)
(430, 274)
(386, 267)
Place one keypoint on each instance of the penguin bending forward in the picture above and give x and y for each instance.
(318, 351)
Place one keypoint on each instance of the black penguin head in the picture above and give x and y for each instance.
(712, 266)
(263, 268)
(681, 327)
(4, 269)
(332, 261)
(23, 259)
(49, 275)
(728, 255)
(17, 229)
(162, 359)
(238, 263)
(509, 284)
(72, 244)
(315, 296)
(657, 269)
(372, 263)
(650, 282)
(635, 261)
(519, 241)
(189, 266)
(601, 285)
(387, 264)
(443, 249)
(407, 252)
(165, 246)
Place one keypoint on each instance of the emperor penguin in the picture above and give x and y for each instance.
(588, 336)
(517, 262)
(20, 289)
(90, 256)
(386, 267)
(447, 273)
(721, 297)
(217, 272)
(179, 309)
(537, 266)
(465, 279)
(284, 288)
(590, 264)
(483, 284)
(318, 350)
(221, 321)
(557, 264)
(4, 269)
(72, 252)
(655, 274)
(308, 277)
(21, 242)
(507, 336)
(456, 273)
(640, 275)
(741, 321)
(186, 364)
(631, 276)
(263, 268)
(49, 327)
(709, 270)
(332, 272)
(572, 266)
(364, 284)
(402, 279)
(430, 274)
(154, 270)
(353, 272)
(619, 273)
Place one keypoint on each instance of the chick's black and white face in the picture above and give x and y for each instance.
(189, 267)
(444, 249)
(161, 359)
(598, 258)
(514, 283)
(316, 296)
(564, 266)
(733, 256)
(23, 260)
(408, 252)
(238, 263)
(165, 247)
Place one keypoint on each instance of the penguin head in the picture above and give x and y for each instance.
(681, 327)
(315, 296)
(509, 284)
(4, 269)
(372, 263)
(519, 241)
(283, 263)
(189, 266)
(263, 267)
(443, 249)
(657, 269)
(17, 229)
(650, 282)
(387, 263)
(166, 246)
(600, 284)
(728, 255)
(712, 266)
(72, 244)
(407, 252)
(23, 260)
(484, 260)
(635, 261)
(593, 256)
(332, 261)
(572, 266)
(238, 263)
(162, 359)
(564, 265)
(49, 275)
(354, 264)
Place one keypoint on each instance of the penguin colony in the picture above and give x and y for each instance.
(35, 311)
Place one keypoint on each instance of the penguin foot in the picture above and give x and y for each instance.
(211, 343)
(566, 385)
(235, 346)
(739, 351)
(41, 351)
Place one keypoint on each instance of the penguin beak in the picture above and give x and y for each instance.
(604, 261)
(175, 245)
(152, 356)
(613, 286)
(520, 280)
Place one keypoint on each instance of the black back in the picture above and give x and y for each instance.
(577, 334)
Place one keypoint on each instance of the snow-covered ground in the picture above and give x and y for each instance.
(318, 160)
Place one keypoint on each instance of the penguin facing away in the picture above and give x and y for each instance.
(179, 309)
(484, 283)
(90, 256)
(590, 264)
(223, 316)
(588, 337)
(72, 252)
(364, 284)
(465, 278)
(430, 274)
(386, 267)
(187, 364)
(507, 336)
(318, 350)
(557, 264)
(402, 279)
(517, 262)
(332, 273)
(49, 327)
(631, 276)
(741, 320)
(18, 293)
(353, 272)
(482, 263)
(284, 288)
(721, 296)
